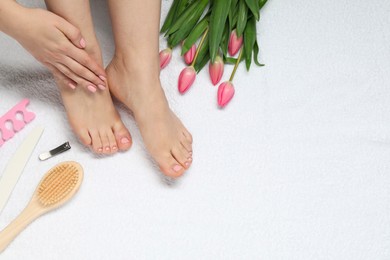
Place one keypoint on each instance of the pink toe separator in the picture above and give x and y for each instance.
(17, 124)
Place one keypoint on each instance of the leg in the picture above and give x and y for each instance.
(92, 116)
(134, 79)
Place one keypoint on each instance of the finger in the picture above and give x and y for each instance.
(60, 78)
(71, 32)
(80, 81)
(83, 72)
(84, 59)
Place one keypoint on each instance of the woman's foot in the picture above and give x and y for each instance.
(165, 137)
(94, 119)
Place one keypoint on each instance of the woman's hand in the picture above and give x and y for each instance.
(59, 46)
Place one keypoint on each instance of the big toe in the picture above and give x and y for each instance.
(170, 167)
(122, 136)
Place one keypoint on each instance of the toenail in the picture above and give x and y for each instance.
(72, 86)
(125, 140)
(191, 153)
(91, 88)
(100, 150)
(114, 148)
(189, 159)
(107, 148)
(102, 87)
(177, 168)
(187, 164)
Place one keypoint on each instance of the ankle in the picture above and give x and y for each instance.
(139, 69)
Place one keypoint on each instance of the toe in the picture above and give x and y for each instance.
(84, 137)
(96, 141)
(182, 156)
(188, 136)
(122, 137)
(105, 142)
(111, 139)
(170, 167)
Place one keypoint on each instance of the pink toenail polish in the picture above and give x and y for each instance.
(82, 43)
(91, 88)
(125, 140)
(187, 164)
(102, 78)
(102, 87)
(189, 159)
(100, 150)
(114, 148)
(177, 168)
(107, 148)
(72, 86)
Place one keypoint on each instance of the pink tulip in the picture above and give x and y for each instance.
(235, 43)
(216, 70)
(186, 78)
(165, 57)
(190, 54)
(225, 93)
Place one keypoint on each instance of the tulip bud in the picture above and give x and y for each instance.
(165, 57)
(190, 54)
(216, 70)
(186, 78)
(235, 43)
(225, 93)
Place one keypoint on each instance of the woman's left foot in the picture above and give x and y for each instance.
(165, 137)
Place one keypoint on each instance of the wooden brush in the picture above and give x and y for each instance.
(56, 187)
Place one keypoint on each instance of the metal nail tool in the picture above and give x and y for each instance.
(60, 149)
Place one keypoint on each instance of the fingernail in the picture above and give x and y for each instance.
(177, 168)
(91, 88)
(102, 87)
(125, 140)
(82, 43)
(102, 78)
(72, 86)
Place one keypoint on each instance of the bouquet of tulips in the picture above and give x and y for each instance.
(222, 28)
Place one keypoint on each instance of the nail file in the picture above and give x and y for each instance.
(16, 164)
(11, 117)
(60, 149)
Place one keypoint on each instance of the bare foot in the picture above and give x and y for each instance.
(165, 137)
(94, 119)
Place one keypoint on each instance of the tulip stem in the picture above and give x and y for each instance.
(236, 66)
(199, 46)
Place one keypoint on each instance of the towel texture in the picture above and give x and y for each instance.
(295, 167)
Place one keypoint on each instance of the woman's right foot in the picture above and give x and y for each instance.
(95, 120)
(165, 137)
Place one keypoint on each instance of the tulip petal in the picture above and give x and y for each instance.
(186, 79)
(190, 54)
(225, 93)
(216, 70)
(165, 57)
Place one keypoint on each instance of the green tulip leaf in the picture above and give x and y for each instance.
(190, 15)
(253, 5)
(256, 54)
(249, 41)
(242, 18)
(219, 13)
(195, 34)
(262, 3)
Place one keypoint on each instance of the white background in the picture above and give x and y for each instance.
(296, 166)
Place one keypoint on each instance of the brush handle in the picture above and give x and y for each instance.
(28, 215)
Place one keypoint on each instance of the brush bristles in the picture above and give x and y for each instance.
(58, 183)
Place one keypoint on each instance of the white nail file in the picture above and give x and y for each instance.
(16, 164)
